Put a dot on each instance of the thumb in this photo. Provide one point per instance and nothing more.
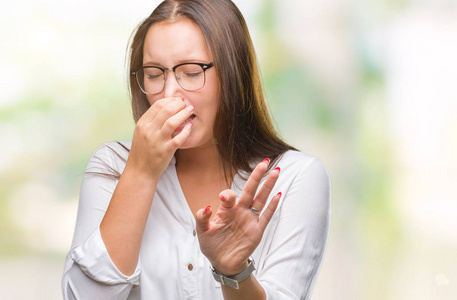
(202, 219)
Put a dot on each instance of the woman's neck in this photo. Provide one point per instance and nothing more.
(205, 163)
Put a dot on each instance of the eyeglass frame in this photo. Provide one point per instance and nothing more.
(204, 67)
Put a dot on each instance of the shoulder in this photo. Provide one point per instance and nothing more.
(110, 148)
(304, 176)
(296, 163)
(305, 184)
(109, 156)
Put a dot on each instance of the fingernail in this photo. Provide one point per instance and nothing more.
(206, 209)
(223, 196)
(280, 194)
(182, 98)
(266, 160)
(278, 168)
(189, 126)
(190, 107)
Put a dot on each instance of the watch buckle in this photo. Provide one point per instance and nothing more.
(229, 282)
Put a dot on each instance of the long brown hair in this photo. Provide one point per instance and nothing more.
(243, 128)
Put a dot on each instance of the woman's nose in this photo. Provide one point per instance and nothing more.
(172, 87)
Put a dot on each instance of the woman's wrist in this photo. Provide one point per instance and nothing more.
(233, 281)
(248, 289)
(140, 172)
(231, 269)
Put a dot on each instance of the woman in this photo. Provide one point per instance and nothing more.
(206, 202)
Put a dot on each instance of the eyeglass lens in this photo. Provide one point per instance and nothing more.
(190, 77)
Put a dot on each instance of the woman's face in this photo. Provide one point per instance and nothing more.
(168, 44)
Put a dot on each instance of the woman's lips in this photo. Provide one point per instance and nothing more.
(181, 127)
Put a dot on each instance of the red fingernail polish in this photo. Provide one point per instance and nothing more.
(223, 197)
(182, 98)
(280, 194)
(278, 168)
(206, 209)
(267, 160)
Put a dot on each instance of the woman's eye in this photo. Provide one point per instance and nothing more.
(193, 74)
(152, 77)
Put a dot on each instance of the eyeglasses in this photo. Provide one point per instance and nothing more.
(190, 76)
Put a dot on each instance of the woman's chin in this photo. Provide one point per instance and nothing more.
(188, 144)
(193, 142)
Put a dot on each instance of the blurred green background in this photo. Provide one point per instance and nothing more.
(366, 86)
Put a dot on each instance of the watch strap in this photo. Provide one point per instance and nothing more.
(234, 280)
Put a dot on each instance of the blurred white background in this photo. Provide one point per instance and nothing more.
(366, 86)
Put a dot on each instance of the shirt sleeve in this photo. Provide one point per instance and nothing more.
(300, 236)
(89, 272)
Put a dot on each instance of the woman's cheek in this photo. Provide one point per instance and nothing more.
(151, 99)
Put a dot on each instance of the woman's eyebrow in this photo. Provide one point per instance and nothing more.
(151, 63)
(154, 63)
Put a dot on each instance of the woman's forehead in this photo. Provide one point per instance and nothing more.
(172, 42)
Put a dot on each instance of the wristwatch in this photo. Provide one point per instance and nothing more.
(234, 280)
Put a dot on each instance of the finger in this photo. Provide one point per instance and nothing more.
(154, 109)
(181, 137)
(228, 198)
(202, 218)
(250, 188)
(269, 211)
(167, 111)
(264, 192)
(174, 121)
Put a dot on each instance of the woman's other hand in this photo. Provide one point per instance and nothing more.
(156, 137)
(237, 229)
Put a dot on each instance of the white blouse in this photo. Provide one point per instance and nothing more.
(171, 265)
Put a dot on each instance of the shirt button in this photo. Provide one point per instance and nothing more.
(190, 267)
(194, 233)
